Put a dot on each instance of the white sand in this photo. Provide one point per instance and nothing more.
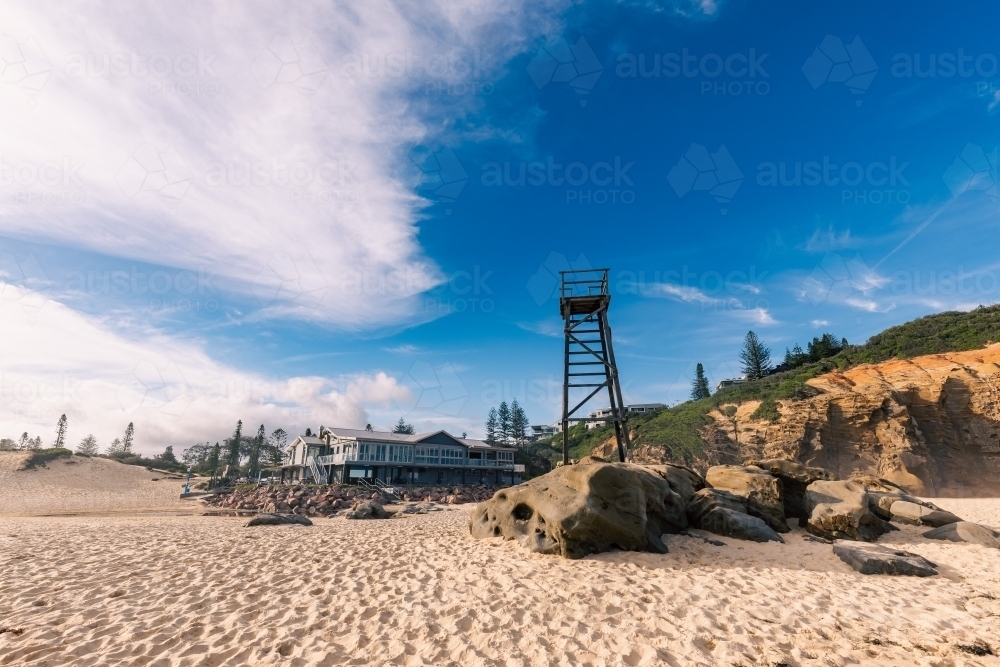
(80, 485)
(170, 590)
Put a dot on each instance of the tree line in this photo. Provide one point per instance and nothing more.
(755, 359)
(507, 425)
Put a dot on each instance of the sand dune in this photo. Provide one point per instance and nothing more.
(418, 590)
(80, 485)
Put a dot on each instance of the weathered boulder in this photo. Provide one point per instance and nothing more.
(684, 481)
(586, 508)
(877, 559)
(966, 531)
(760, 489)
(278, 520)
(794, 477)
(366, 509)
(706, 500)
(732, 523)
(839, 510)
(914, 514)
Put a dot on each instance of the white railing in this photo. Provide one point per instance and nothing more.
(340, 459)
(318, 475)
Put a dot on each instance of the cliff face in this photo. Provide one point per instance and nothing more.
(931, 424)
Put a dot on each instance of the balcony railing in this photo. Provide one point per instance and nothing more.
(340, 459)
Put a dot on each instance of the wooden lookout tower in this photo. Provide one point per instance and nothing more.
(589, 360)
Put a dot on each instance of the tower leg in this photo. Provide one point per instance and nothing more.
(565, 396)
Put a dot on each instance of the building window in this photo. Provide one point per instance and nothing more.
(427, 455)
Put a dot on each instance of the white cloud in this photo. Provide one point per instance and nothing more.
(268, 143)
(686, 293)
(759, 316)
(57, 361)
(405, 348)
(552, 327)
(816, 324)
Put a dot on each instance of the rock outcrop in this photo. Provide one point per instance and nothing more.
(760, 490)
(839, 510)
(794, 477)
(965, 531)
(930, 424)
(903, 511)
(876, 559)
(586, 508)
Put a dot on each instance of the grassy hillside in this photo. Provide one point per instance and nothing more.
(678, 430)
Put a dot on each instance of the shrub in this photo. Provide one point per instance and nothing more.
(40, 457)
(766, 411)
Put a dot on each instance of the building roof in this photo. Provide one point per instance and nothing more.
(385, 436)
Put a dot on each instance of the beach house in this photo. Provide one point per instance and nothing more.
(340, 455)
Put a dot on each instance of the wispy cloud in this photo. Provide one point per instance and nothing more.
(249, 145)
(816, 324)
(405, 348)
(829, 240)
(552, 328)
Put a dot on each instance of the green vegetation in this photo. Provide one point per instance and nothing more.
(766, 411)
(40, 457)
(945, 332)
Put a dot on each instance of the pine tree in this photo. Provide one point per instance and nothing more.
(213, 459)
(233, 446)
(22, 443)
(115, 447)
(255, 450)
(491, 427)
(402, 427)
(518, 424)
(755, 357)
(276, 447)
(504, 424)
(88, 446)
(699, 387)
(127, 440)
(168, 455)
(61, 432)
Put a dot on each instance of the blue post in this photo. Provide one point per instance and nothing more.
(187, 482)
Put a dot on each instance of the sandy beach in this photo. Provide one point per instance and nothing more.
(197, 590)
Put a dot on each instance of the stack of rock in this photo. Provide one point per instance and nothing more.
(596, 506)
(328, 500)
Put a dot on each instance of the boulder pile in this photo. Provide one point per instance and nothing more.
(595, 506)
(328, 500)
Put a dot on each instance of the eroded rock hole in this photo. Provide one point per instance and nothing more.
(522, 512)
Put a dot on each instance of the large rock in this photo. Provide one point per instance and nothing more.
(966, 531)
(915, 514)
(684, 481)
(366, 509)
(278, 520)
(839, 510)
(760, 489)
(877, 559)
(706, 500)
(794, 477)
(733, 523)
(586, 508)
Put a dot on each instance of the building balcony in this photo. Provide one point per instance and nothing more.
(341, 459)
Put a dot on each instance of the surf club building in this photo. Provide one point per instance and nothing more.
(341, 455)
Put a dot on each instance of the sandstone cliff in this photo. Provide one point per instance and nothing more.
(931, 424)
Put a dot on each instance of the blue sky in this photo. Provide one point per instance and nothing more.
(782, 167)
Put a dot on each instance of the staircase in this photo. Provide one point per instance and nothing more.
(319, 476)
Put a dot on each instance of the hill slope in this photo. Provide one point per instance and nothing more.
(76, 484)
